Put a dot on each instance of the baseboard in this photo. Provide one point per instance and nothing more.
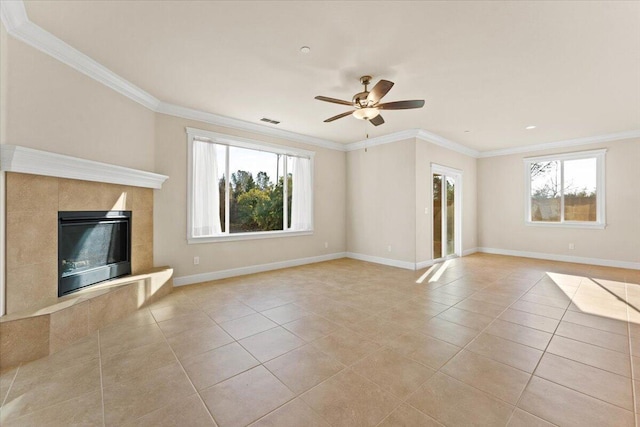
(223, 274)
(469, 251)
(563, 258)
(241, 271)
(401, 264)
(424, 264)
(384, 261)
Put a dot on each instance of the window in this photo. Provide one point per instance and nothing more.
(242, 189)
(566, 190)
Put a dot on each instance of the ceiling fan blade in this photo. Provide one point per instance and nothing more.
(377, 120)
(379, 90)
(335, 101)
(339, 116)
(401, 105)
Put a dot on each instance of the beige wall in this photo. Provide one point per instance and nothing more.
(170, 237)
(380, 201)
(388, 188)
(3, 82)
(52, 107)
(501, 208)
(426, 155)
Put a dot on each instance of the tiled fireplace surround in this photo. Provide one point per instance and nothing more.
(38, 322)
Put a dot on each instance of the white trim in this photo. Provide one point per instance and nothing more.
(18, 25)
(383, 139)
(190, 186)
(27, 160)
(248, 236)
(563, 258)
(567, 224)
(575, 155)
(384, 261)
(435, 139)
(228, 122)
(599, 155)
(252, 144)
(13, 15)
(470, 251)
(252, 269)
(424, 264)
(420, 134)
(562, 144)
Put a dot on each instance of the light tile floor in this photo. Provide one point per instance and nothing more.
(482, 340)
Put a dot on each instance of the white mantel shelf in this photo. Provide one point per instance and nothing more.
(14, 158)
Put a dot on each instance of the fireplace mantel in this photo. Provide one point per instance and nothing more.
(37, 162)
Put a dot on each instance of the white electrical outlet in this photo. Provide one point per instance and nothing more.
(389, 248)
(196, 260)
(326, 245)
(426, 211)
(572, 246)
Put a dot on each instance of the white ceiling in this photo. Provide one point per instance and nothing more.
(491, 68)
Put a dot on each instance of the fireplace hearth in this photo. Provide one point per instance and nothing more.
(93, 246)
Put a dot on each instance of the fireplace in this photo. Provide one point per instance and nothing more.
(93, 246)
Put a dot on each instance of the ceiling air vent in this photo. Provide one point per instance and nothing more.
(273, 122)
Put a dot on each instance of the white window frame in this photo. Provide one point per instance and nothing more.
(194, 134)
(599, 155)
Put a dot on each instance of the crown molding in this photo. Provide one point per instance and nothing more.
(383, 139)
(563, 144)
(15, 19)
(13, 15)
(17, 23)
(14, 158)
(444, 142)
(420, 134)
(228, 122)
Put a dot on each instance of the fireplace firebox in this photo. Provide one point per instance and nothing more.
(93, 246)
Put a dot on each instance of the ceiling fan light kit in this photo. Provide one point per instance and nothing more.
(365, 113)
(367, 104)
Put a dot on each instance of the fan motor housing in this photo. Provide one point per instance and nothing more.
(360, 99)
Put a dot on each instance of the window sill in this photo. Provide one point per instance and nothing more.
(248, 236)
(593, 226)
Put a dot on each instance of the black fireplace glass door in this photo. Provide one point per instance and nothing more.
(92, 247)
(87, 246)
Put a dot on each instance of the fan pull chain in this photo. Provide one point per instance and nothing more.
(366, 135)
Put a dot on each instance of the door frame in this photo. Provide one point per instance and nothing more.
(456, 174)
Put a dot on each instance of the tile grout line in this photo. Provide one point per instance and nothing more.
(246, 370)
(178, 361)
(545, 352)
(349, 367)
(184, 371)
(515, 406)
(4, 400)
(439, 370)
(346, 367)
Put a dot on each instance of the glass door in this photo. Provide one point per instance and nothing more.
(446, 213)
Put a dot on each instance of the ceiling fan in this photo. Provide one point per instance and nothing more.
(367, 104)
